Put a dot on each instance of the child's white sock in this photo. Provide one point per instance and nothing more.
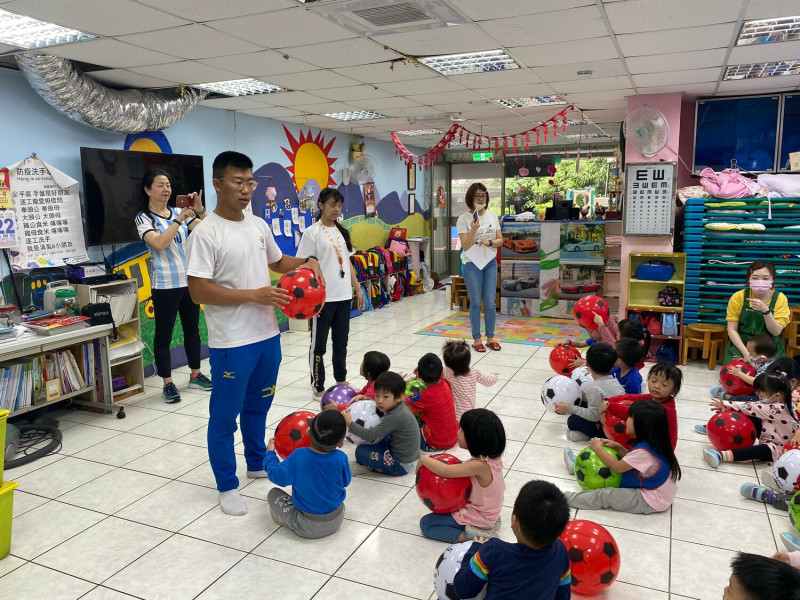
(257, 474)
(232, 503)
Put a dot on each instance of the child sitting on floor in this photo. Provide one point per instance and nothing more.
(584, 420)
(762, 349)
(755, 577)
(463, 379)
(483, 434)
(373, 364)
(773, 416)
(435, 406)
(397, 435)
(318, 476)
(663, 384)
(537, 566)
(629, 353)
(649, 469)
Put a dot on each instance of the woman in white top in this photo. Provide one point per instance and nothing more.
(329, 242)
(480, 227)
(165, 230)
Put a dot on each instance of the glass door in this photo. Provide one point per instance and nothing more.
(440, 223)
(463, 175)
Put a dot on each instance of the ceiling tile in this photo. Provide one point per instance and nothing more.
(589, 97)
(282, 29)
(763, 84)
(656, 15)
(423, 86)
(458, 107)
(620, 82)
(692, 90)
(599, 68)
(259, 64)
(755, 53)
(289, 99)
(516, 91)
(191, 41)
(384, 104)
(208, 10)
(601, 104)
(323, 107)
(342, 54)
(273, 112)
(383, 73)
(238, 103)
(420, 111)
(445, 97)
(559, 53)
(188, 72)
(441, 40)
(679, 61)
(120, 78)
(766, 9)
(548, 27)
(102, 17)
(676, 77)
(312, 80)
(677, 40)
(111, 53)
(607, 115)
(476, 81)
(355, 92)
(481, 10)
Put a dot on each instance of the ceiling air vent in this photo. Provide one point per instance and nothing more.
(392, 16)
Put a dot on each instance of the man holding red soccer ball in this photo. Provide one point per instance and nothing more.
(229, 257)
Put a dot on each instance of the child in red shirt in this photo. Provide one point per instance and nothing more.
(374, 364)
(435, 407)
(663, 383)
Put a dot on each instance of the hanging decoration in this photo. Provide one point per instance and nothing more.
(457, 133)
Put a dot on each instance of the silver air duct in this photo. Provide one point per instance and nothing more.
(67, 89)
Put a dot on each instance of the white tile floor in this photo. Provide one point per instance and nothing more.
(128, 507)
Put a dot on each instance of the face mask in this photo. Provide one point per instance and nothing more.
(761, 285)
(480, 206)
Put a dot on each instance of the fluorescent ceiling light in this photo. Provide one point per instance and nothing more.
(530, 101)
(25, 32)
(241, 87)
(419, 132)
(759, 70)
(358, 115)
(472, 62)
(766, 31)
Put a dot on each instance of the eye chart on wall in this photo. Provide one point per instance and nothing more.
(649, 198)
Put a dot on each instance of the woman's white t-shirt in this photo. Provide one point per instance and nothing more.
(315, 242)
(489, 226)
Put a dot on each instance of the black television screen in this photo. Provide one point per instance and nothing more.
(742, 128)
(111, 182)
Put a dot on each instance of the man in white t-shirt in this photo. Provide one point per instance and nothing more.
(229, 255)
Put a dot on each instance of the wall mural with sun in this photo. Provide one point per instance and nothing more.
(299, 159)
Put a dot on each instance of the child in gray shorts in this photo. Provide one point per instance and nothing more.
(318, 476)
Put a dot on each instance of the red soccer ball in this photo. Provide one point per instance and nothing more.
(586, 307)
(443, 495)
(561, 357)
(729, 430)
(593, 555)
(308, 294)
(790, 445)
(292, 433)
(615, 429)
(734, 385)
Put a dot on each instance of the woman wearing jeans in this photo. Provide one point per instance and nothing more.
(481, 227)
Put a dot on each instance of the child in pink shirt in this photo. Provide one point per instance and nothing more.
(463, 379)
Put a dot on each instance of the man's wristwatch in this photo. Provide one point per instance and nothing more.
(491, 242)
(178, 223)
(310, 256)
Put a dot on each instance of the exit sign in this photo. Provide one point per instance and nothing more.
(482, 156)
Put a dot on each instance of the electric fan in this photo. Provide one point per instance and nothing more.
(646, 130)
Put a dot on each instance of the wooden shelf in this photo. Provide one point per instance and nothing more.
(122, 361)
(657, 308)
(61, 398)
(665, 337)
(672, 282)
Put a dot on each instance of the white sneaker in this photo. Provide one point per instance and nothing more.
(576, 436)
(569, 460)
(767, 478)
(359, 469)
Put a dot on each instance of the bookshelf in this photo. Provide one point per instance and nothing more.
(612, 259)
(94, 392)
(125, 355)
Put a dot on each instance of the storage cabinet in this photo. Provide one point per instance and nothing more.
(643, 297)
(125, 353)
(612, 259)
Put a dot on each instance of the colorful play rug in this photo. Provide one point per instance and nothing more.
(536, 331)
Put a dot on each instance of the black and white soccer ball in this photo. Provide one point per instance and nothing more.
(560, 388)
(787, 471)
(445, 572)
(365, 414)
(582, 377)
